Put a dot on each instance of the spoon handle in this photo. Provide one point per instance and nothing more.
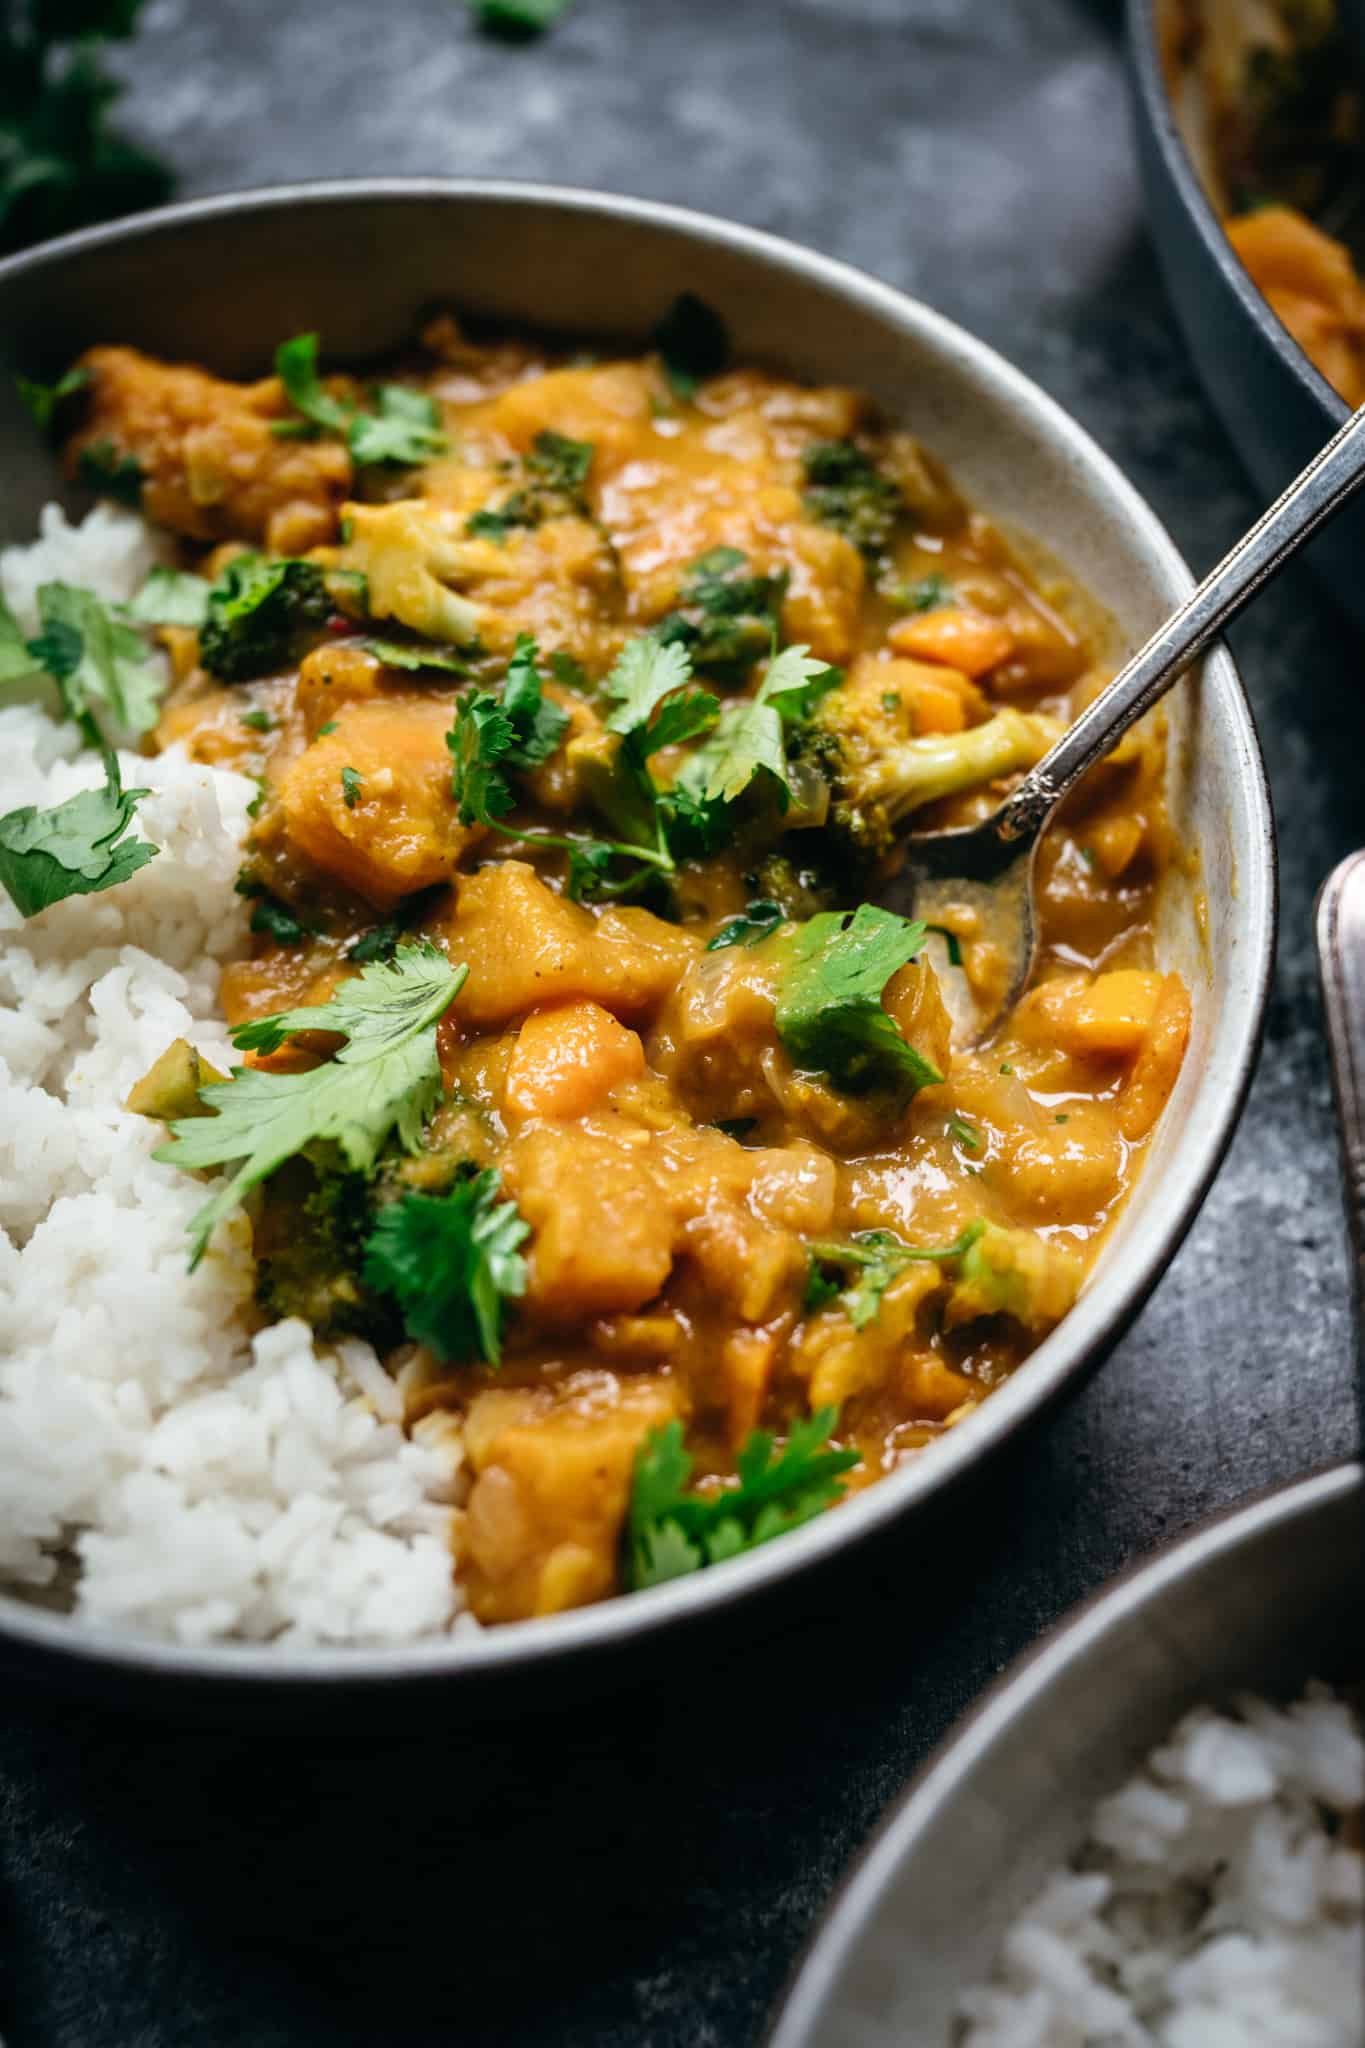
(1341, 959)
(1319, 491)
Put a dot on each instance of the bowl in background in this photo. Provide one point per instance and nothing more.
(1278, 409)
(1262, 1599)
(221, 281)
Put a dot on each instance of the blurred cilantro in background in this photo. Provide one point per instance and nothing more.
(61, 166)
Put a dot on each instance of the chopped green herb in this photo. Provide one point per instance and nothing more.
(44, 401)
(170, 598)
(927, 594)
(416, 654)
(74, 848)
(890, 701)
(694, 343)
(452, 1263)
(846, 490)
(725, 618)
(323, 730)
(405, 426)
(103, 468)
(351, 784)
(829, 1012)
(875, 1258)
(1005, 1067)
(672, 1530)
(92, 656)
(965, 1134)
(951, 941)
(386, 1077)
(755, 922)
(259, 721)
(748, 744)
(1061, 1117)
(561, 463)
(275, 920)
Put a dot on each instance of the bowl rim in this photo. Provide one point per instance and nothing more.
(50, 1643)
(1145, 56)
(1082, 1630)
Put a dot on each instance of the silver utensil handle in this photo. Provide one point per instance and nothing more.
(1312, 498)
(1341, 962)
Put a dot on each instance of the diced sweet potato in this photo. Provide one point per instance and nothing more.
(567, 1059)
(1157, 1066)
(399, 831)
(528, 948)
(969, 641)
(1110, 1016)
(552, 1479)
(602, 1236)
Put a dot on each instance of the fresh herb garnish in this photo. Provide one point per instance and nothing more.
(259, 721)
(950, 940)
(755, 922)
(875, 1258)
(74, 848)
(386, 1077)
(725, 618)
(556, 471)
(61, 166)
(748, 742)
(926, 594)
(672, 1530)
(965, 1134)
(171, 598)
(92, 656)
(452, 1264)
(694, 343)
(846, 490)
(107, 470)
(829, 1014)
(269, 917)
(416, 654)
(405, 426)
(352, 782)
(44, 401)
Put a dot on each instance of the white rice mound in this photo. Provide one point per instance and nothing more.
(1215, 1904)
(197, 1482)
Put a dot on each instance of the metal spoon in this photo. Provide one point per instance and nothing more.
(1341, 960)
(988, 868)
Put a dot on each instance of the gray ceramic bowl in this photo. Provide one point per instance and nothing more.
(1260, 1600)
(1278, 409)
(222, 280)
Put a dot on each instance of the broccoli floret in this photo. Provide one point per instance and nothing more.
(800, 891)
(846, 490)
(309, 1237)
(1014, 1273)
(877, 780)
(262, 616)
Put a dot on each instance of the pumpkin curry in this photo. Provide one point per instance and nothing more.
(586, 700)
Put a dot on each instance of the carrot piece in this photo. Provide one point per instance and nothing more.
(566, 1059)
(965, 640)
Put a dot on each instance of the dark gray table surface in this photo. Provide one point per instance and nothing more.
(641, 1867)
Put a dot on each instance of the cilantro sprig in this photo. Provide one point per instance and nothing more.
(726, 617)
(672, 1530)
(385, 1078)
(95, 658)
(76, 848)
(749, 744)
(405, 426)
(829, 1013)
(452, 1262)
(872, 1259)
(756, 922)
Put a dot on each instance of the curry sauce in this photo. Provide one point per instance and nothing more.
(699, 1204)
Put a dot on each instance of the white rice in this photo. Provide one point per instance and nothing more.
(204, 1484)
(1214, 1905)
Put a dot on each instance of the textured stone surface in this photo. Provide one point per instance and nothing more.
(641, 1868)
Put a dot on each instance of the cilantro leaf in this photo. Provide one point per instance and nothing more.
(416, 654)
(107, 470)
(672, 1530)
(755, 922)
(694, 343)
(926, 594)
(725, 619)
(561, 463)
(645, 674)
(479, 740)
(538, 723)
(556, 471)
(875, 1258)
(44, 401)
(452, 1263)
(748, 743)
(517, 20)
(405, 427)
(170, 598)
(846, 490)
(352, 782)
(386, 1077)
(71, 849)
(91, 655)
(829, 1014)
